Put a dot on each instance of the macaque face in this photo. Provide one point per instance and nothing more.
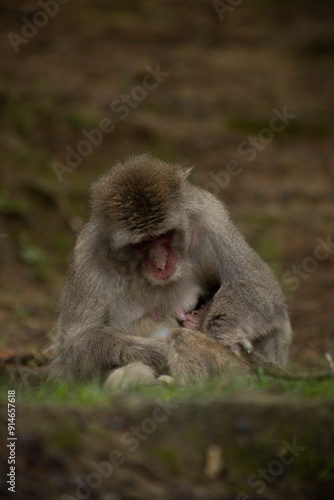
(159, 255)
(196, 318)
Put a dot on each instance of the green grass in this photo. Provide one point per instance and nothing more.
(51, 392)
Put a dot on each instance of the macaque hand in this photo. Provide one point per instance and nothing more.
(242, 345)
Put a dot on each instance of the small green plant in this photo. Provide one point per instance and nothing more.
(34, 257)
(14, 206)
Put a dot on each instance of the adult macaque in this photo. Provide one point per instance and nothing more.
(156, 244)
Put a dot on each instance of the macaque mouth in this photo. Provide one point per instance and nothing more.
(159, 255)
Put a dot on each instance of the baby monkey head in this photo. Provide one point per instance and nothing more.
(142, 200)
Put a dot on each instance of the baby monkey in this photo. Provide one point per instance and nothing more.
(195, 319)
(231, 361)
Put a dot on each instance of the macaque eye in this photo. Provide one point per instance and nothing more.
(166, 237)
(145, 243)
(142, 246)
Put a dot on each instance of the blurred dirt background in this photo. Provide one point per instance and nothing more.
(225, 77)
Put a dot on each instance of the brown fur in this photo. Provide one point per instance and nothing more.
(194, 357)
(151, 186)
(109, 288)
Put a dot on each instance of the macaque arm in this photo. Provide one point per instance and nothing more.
(90, 338)
(249, 303)
(98, 349)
